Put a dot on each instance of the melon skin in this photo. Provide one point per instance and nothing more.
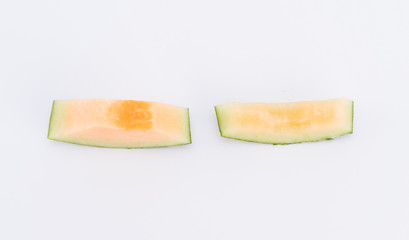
(286, 123)
(106, 123)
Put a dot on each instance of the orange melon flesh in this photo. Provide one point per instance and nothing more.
(286, 123)
(119, 123)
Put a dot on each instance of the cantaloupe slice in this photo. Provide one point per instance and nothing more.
(285, 123)
(119, 123)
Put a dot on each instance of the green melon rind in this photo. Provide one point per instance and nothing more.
(188, 125)
(352, 118)
(51, 117)
(218, 121)
(90, 145)
(278, 143)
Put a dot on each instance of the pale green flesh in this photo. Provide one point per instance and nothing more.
(222, 115)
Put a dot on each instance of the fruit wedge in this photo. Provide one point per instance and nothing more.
(119, 123)
(286, 123)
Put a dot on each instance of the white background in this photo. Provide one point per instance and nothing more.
(198, 54)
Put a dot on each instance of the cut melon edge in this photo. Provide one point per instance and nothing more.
(99, 146)
(278, 143)
(49, 122)
(118, 147)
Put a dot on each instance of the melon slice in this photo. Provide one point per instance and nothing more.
(119, 123)
(286, 123)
